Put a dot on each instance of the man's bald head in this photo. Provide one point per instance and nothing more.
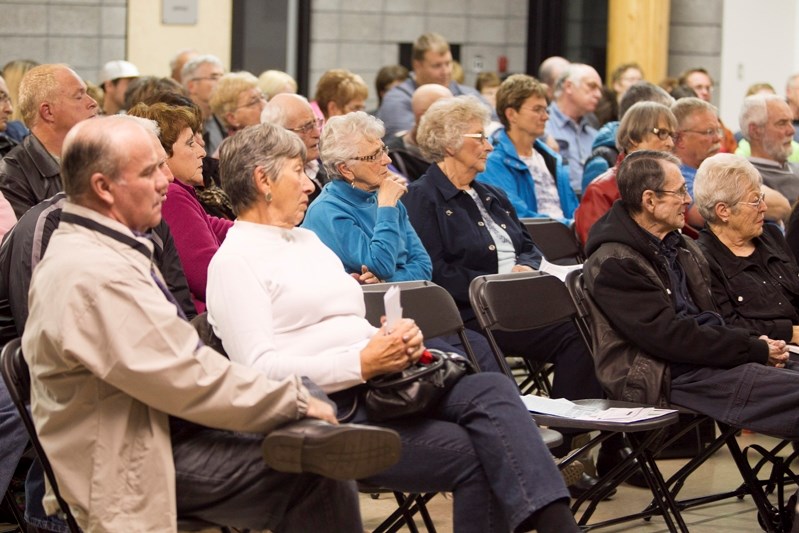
(425, 96)
(294, 113)
(99, 145)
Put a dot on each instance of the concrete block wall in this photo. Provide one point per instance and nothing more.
(695, 38)
(364, 36)
(83, 33)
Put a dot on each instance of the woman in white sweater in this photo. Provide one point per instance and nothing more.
(282, 302)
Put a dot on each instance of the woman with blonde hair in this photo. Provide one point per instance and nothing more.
(13, 72)
(339, 92)
(272, 82)
(238, 101)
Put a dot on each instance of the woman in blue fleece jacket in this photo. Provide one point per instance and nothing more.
(358, 214)
(530, 173)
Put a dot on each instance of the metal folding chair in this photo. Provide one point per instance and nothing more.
(17, 378)
(556, 241)
(430, 305)
(527, 301)
(771, 518)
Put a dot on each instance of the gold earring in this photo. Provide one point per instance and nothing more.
(268, 197)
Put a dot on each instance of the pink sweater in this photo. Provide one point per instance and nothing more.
(197, 236)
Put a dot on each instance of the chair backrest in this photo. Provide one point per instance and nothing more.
(556, 241)
(518, 302)
(17, 377)
(575, 284)
(430, 305)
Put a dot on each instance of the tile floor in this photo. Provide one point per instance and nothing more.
(716, 475)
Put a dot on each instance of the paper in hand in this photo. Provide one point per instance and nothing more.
(391, 301)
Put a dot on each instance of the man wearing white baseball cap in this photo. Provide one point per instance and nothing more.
(114, 79)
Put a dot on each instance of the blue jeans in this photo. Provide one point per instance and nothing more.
(481, 444)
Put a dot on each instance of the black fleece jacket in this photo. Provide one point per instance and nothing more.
(628, 278)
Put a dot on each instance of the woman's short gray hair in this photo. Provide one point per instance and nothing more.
(723, 178)
(444, 123)
(342, 136)
(262, 145)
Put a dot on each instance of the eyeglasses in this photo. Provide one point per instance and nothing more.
(710, 132)
(308, 126)
(212, 77)
(663, 134)
(481, 136)
(254, 101)
(4, 98)
(682, 192)
(371, 158)
(760, 199)
(539, 109)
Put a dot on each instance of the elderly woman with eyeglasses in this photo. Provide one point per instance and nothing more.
(282, 302)
(645, 126)
(470, 228)
(358, 214)
(238, 101)
(755, 279)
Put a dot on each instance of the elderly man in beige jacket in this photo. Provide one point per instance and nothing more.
(124, 394)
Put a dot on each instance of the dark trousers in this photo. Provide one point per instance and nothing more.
(481, 444)
(752, 396)
(561, 345)
(221, 478)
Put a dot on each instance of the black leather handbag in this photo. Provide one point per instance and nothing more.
(415, 390)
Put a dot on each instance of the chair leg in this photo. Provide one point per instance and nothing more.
(421, 503)
(10, 503)
(768, 515)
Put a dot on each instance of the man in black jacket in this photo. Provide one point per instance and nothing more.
(52, 99)
(661, 338)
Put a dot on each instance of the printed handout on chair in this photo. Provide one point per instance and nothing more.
(559, 271)
(566, 409)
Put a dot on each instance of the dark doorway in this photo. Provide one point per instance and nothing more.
(574, 29)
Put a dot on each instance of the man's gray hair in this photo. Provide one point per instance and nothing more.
(639, 172)
(443, 125)
(263, 145)
(723, 178)
(754, 110)
(342, 136)
(190, 68)
(574, 73)
(685, 107)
